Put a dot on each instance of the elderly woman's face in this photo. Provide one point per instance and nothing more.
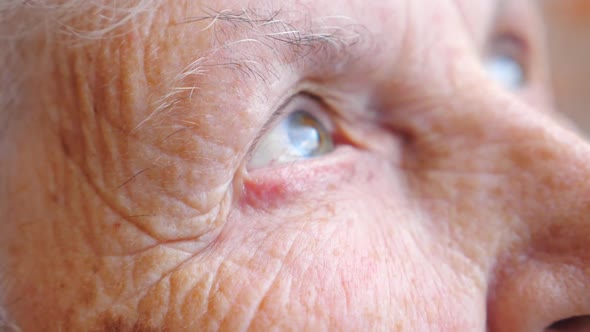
(302, 165)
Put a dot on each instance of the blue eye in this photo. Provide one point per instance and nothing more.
(306, 134)
(506, 62)
(299, 136)
(507, 71)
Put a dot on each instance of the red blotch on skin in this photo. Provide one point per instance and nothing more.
(264, 193)
(283, 185)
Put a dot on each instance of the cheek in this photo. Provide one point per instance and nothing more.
(340, 244)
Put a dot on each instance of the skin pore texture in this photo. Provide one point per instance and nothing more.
(449, 202)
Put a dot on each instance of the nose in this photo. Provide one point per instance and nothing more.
(541, 271)
(543, 275)
(522, 181)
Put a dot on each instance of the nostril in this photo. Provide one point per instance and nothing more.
(572, 324)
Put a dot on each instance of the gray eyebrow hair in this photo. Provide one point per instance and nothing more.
(292, 38)
(272, 26)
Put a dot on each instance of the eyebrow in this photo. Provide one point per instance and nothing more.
(293, 37)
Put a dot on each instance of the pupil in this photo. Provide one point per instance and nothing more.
(303, 133)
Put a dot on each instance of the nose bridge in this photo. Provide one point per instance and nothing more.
(541, 167)
(548, 163)
(548, 169)
(540, 274)
(511, 187)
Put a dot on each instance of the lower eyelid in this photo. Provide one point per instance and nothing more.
(272, 185)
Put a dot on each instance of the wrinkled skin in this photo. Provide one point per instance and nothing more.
(450, 202)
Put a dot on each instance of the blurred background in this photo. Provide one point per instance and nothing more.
(569, 45)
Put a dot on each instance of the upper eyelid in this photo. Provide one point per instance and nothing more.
(513, 21)
(512, 43)
(516, 21)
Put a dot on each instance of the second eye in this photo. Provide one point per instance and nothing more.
(506, 62)
(298, 136)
